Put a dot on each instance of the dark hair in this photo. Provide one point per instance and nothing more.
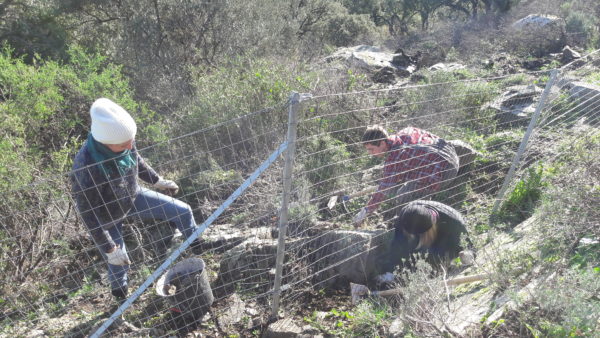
(374, 135)
(415, 218)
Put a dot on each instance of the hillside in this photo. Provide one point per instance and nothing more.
(219, 113)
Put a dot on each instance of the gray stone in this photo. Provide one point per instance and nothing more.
(370, 58)
(516, 104)
(465, 152)
(587, 98)
(547, 33)
(448, 67)
(233, 311)
(251, 261)
(396, 329)
(283, 328)
(569, 55)
(347, 256)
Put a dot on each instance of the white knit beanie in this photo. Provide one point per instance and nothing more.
(111, 124)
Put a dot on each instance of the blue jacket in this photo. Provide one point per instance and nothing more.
(103, 202)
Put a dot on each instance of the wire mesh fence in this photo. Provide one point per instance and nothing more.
(55, 279)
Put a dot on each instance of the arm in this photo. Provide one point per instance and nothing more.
(145, 172)
(88, 199)
(393, 172)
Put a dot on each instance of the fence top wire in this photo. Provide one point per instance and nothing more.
(383, 90)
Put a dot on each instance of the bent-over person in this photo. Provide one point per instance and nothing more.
(417, 163)
(106, 191)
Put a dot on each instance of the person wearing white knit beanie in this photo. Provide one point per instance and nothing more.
(111, 124)
(106, 191)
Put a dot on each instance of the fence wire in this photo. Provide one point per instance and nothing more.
(55, 280)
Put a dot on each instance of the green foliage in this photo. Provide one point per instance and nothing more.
(369, 318)
(581, 25)
(340, 28)
(34, 29)
(238, 88)
(44, 107)
(328, 167)
(527, 192)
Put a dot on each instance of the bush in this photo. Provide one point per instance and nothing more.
(521, 202)
(44, 108)
(327, 164)
(344, 29)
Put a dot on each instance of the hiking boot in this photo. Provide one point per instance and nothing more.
(120, 294)
(196, 246)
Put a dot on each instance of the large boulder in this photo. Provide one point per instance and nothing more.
(540, 34)
(516, 104)
(342, 256)
(329, 258)
(585, 98)
(375, 60)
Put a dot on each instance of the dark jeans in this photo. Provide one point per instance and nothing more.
(149, 205)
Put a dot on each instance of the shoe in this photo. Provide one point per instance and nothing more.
(120, 294)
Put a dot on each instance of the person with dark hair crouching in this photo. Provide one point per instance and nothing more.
(430, 228)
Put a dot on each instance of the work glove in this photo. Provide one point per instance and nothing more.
(467, 257)
(118, 257)
(168, 185)
(360, 217)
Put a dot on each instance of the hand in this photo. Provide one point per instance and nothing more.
(169, 185)
(360, 217)
(467, 257)
(117, 257)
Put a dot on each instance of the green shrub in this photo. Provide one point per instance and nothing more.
(44, 111)
(521, 202)
(237, 88)
(326, 164)
(583, 29)
(344, 29)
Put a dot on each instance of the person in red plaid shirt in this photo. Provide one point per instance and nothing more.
(417, 163)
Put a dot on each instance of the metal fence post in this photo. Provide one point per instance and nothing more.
(285, 198)
(523, 145)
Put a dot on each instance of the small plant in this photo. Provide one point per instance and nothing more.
(521, 201)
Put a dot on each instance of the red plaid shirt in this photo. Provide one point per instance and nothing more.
(405, 163)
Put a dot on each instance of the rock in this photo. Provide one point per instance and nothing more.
(534, 64)
(374, 59)
(366, 57)
(448, 67)
(403, 60)
(586, 95)
(222, 237)
(36, 334)
(516, 104)
(385, 75)
(251, 261)
(585, 102)
(396, 329)
(542, 34)
(283, 328)
(233, 311)
(466, 154)
(569, 55)
(347, 256)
